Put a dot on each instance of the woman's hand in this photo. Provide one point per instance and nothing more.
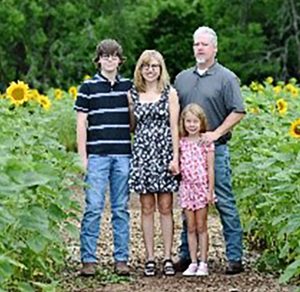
(174, 167)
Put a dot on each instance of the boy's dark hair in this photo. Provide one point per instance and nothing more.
(108, 47)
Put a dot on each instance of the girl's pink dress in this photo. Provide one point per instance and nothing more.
(194, 175)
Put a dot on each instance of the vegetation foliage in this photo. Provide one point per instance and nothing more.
(51, 43)
(266, 159)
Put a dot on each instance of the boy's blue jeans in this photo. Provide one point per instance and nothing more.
(226, 205)
(101, 171)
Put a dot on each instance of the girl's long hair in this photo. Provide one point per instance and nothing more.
(197, 111)
(145, 58)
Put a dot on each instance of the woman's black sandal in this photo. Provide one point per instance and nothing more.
(168, 268)
(150, 269)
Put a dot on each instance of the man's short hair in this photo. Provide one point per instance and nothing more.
(207, 30)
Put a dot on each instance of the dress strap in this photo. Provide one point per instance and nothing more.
(134, 94)
(165, 93)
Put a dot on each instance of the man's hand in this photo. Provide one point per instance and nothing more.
(210, 136)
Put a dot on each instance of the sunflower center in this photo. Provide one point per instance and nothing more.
(18, 94)
(280, 106)
(297, 130)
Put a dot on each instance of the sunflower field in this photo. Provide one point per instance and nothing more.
(266, 170)
(38, 174)
(40, 170)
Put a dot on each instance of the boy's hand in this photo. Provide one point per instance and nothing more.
(84, 161)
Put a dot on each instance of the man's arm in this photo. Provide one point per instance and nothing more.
(231, 120)
(82, 137)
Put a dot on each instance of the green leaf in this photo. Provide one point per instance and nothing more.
(25, 287)
(31, 178)
(292, 270)
(37, 243)
(72, 229)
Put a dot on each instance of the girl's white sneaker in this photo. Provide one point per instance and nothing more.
(191, 270)
(202, 269)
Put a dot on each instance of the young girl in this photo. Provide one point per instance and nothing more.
(196, 189)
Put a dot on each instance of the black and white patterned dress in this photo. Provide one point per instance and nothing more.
(152, 147)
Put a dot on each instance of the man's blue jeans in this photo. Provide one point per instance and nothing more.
(226, 205)
(112, 169)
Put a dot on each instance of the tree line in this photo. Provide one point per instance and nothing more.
(50, 43)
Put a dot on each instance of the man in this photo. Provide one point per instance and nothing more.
(103, 138)
(216, 89)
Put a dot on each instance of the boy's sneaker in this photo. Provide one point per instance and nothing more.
(202, 269)
(122, 269)
(191, 270)
(88, 269)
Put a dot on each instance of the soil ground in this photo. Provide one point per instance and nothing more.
(106, 281)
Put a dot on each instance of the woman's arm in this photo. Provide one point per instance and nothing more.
(174, 117)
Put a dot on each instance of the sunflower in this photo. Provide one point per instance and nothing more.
(58, 93)
(269, 80)
(33, 94)
(254, 86)
(277, 89)
(254, 110)
(281, 106)
(86, 77)
(45, 102)
(295, 129)
(295, 92)
(73, 91)
(18, 92)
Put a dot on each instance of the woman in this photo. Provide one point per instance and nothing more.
(155, 108)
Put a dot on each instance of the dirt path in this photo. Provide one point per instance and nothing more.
(250, 280)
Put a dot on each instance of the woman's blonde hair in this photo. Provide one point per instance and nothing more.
(145, 58)
(197, 111)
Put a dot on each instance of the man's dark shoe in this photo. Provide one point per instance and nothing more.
(122, 269)
(182, 264)
(234, 268)
(88, 269)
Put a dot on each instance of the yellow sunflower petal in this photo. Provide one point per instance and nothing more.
(281, 106)
(18, 93)
(45, 102)
(295, 129)
(73, 91)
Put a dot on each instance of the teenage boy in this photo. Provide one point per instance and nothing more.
(103, 139)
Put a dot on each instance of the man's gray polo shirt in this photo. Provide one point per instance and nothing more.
(217, 91)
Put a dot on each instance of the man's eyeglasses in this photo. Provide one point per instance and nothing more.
(113, 57)
(152, 66)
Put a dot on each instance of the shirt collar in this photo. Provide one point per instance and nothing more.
(101, 77)
(210, 70)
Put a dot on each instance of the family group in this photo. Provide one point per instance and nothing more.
(155, 140)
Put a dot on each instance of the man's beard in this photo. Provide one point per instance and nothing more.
(200, 60)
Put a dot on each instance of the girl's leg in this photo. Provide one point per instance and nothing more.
(147, 218)
(201, 222)
(165, 207)
(192, 234)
